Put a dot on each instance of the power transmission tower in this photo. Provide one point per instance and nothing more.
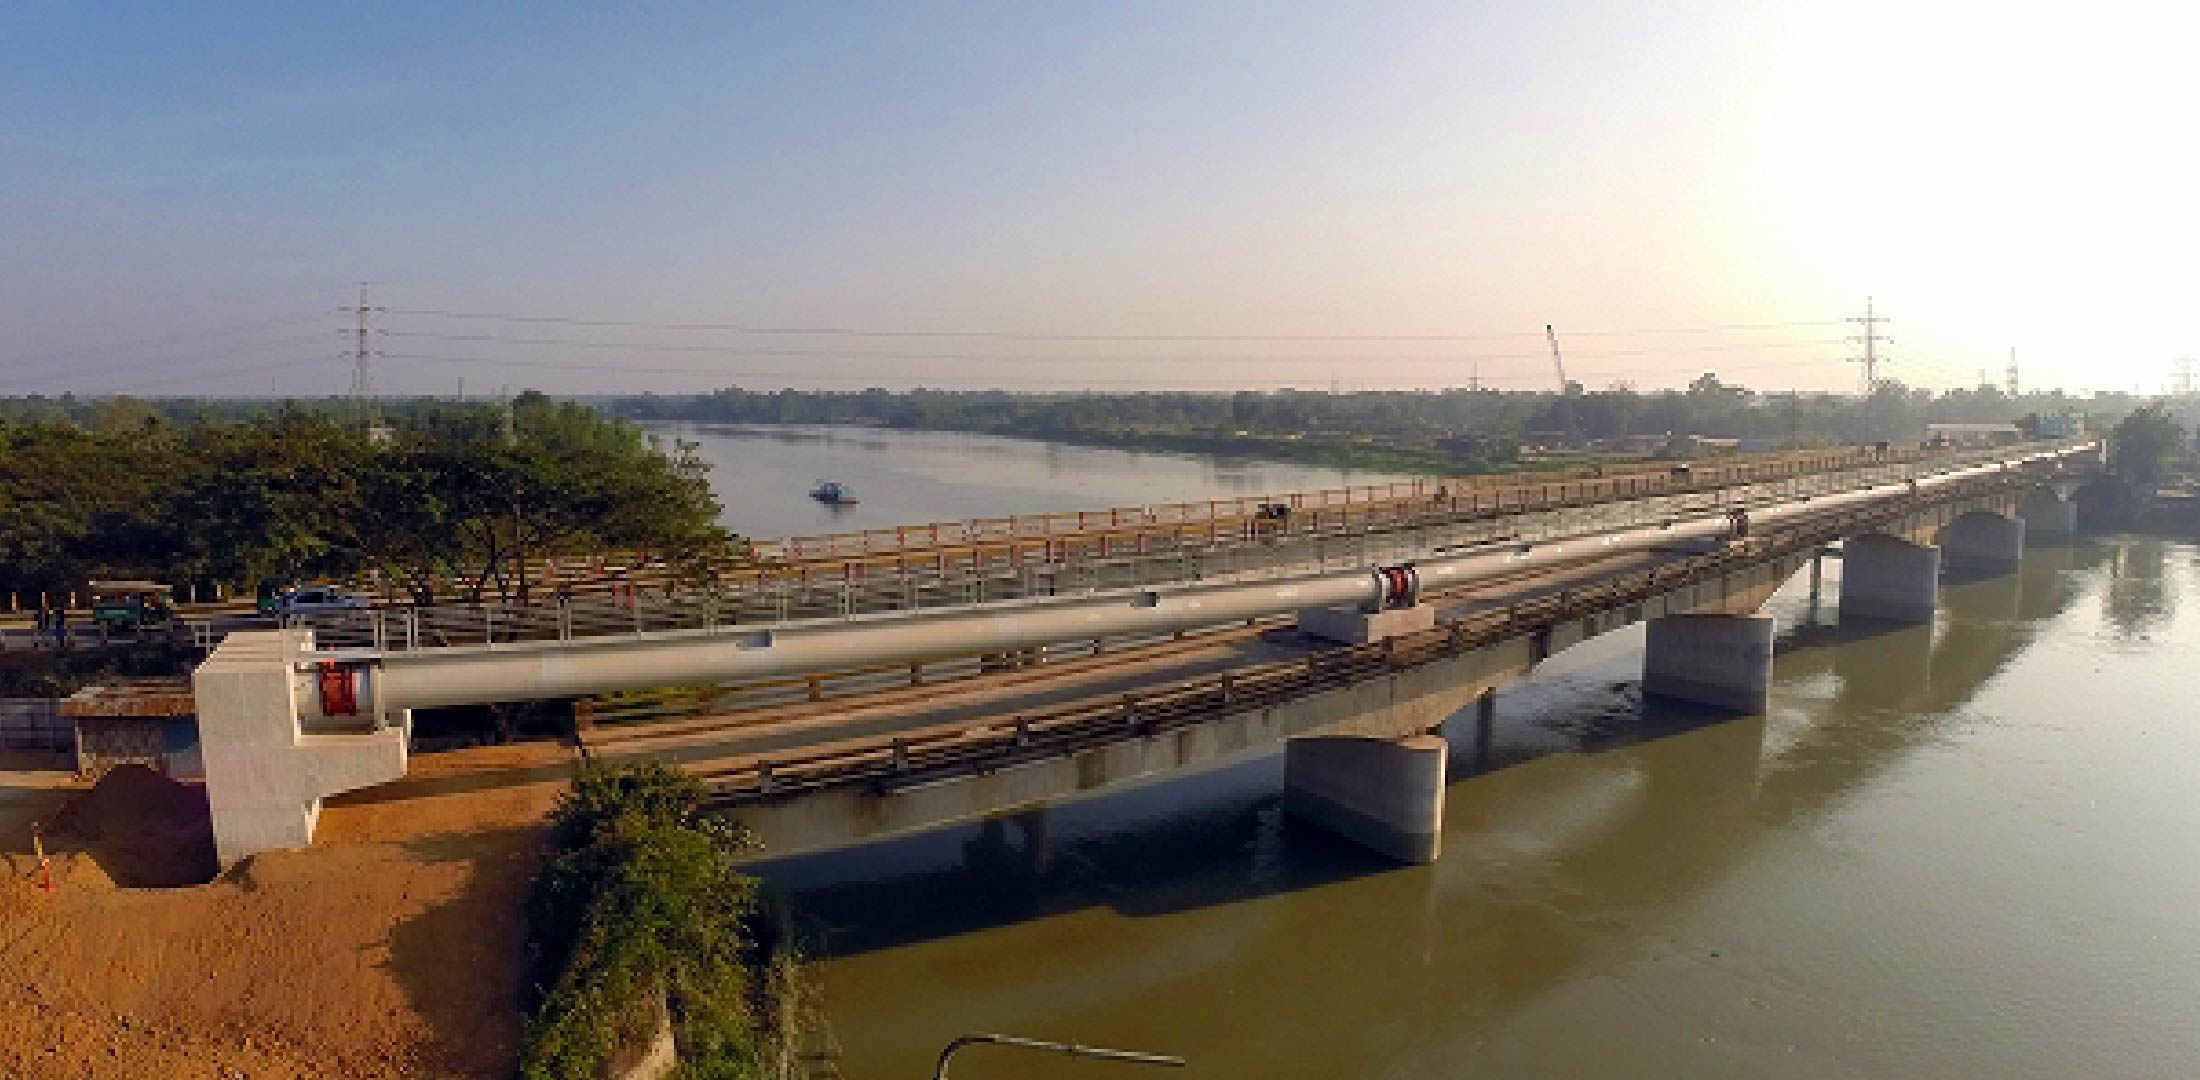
(1871, 339)
(363, 352)
(2013, 372)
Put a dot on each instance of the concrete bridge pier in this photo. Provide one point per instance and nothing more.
(1888, 578)
(1722, 661)
(1386, 794)
(1984, 541)
(2049, 518)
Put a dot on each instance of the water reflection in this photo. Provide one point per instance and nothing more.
(2140, 598)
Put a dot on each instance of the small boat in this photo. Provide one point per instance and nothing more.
(834, 493)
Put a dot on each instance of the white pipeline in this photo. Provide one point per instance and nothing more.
(527, 670)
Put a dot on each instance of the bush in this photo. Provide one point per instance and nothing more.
(640, 904)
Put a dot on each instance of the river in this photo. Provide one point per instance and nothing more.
(1968, 849)
(763, 475)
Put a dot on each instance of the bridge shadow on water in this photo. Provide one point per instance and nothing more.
(1219, 837)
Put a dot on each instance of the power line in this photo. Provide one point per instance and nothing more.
(743, 351)
(815, 375)
(167, 339)
(1031, 336)
(221, 373)
(162, 362)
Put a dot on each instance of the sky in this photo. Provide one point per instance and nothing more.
(616, 198)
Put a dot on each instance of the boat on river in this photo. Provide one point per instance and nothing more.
(834, 493)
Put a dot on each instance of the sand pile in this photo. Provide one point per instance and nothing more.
(144, 829)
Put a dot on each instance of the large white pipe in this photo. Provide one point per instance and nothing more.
(525, 671)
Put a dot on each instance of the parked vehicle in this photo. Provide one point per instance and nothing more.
(319, 600)
(271, 591)
(132, 605)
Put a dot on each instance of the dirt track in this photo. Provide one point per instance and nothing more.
(391, 948)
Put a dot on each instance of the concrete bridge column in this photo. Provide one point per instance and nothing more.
(1387, 794)
(2051, 519)
(1723, 661)
(266, 774)
(1984, 541)
(1883, 577)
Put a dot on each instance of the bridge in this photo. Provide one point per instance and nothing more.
(1347, 641)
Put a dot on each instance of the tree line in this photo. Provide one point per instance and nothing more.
(1468, 425)
(429, 494)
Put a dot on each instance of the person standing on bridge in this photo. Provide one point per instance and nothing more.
(41, 621)
(61, 628)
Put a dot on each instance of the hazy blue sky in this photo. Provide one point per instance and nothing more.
(192, 189)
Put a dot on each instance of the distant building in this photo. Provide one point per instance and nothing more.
(1972, 434)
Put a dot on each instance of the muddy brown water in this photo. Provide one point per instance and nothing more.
(1970, 849)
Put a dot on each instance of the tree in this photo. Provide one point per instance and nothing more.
(2143, 445)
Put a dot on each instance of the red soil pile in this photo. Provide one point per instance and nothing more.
(393, 948)
(144, 829)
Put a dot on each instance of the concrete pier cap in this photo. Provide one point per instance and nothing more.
(271, 756)
(1722, 661)
(1386, 794)
(1888, 578)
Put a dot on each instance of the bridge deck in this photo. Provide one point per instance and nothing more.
(751, 724)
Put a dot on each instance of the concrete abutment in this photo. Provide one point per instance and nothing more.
(1386, 794)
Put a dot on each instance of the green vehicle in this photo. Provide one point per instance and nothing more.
(132, 605)
(270, 594)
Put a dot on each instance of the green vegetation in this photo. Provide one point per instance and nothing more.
(1413, 431)
(441, 492)
(642, 909)
(2144, 446)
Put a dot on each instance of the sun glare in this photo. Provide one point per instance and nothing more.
(2023, 176)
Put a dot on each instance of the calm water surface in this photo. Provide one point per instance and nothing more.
(1968, 850)
(763, 475)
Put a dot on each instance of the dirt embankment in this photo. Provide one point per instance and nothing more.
(392, 948)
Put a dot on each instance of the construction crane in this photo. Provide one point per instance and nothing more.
(1557, 361)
